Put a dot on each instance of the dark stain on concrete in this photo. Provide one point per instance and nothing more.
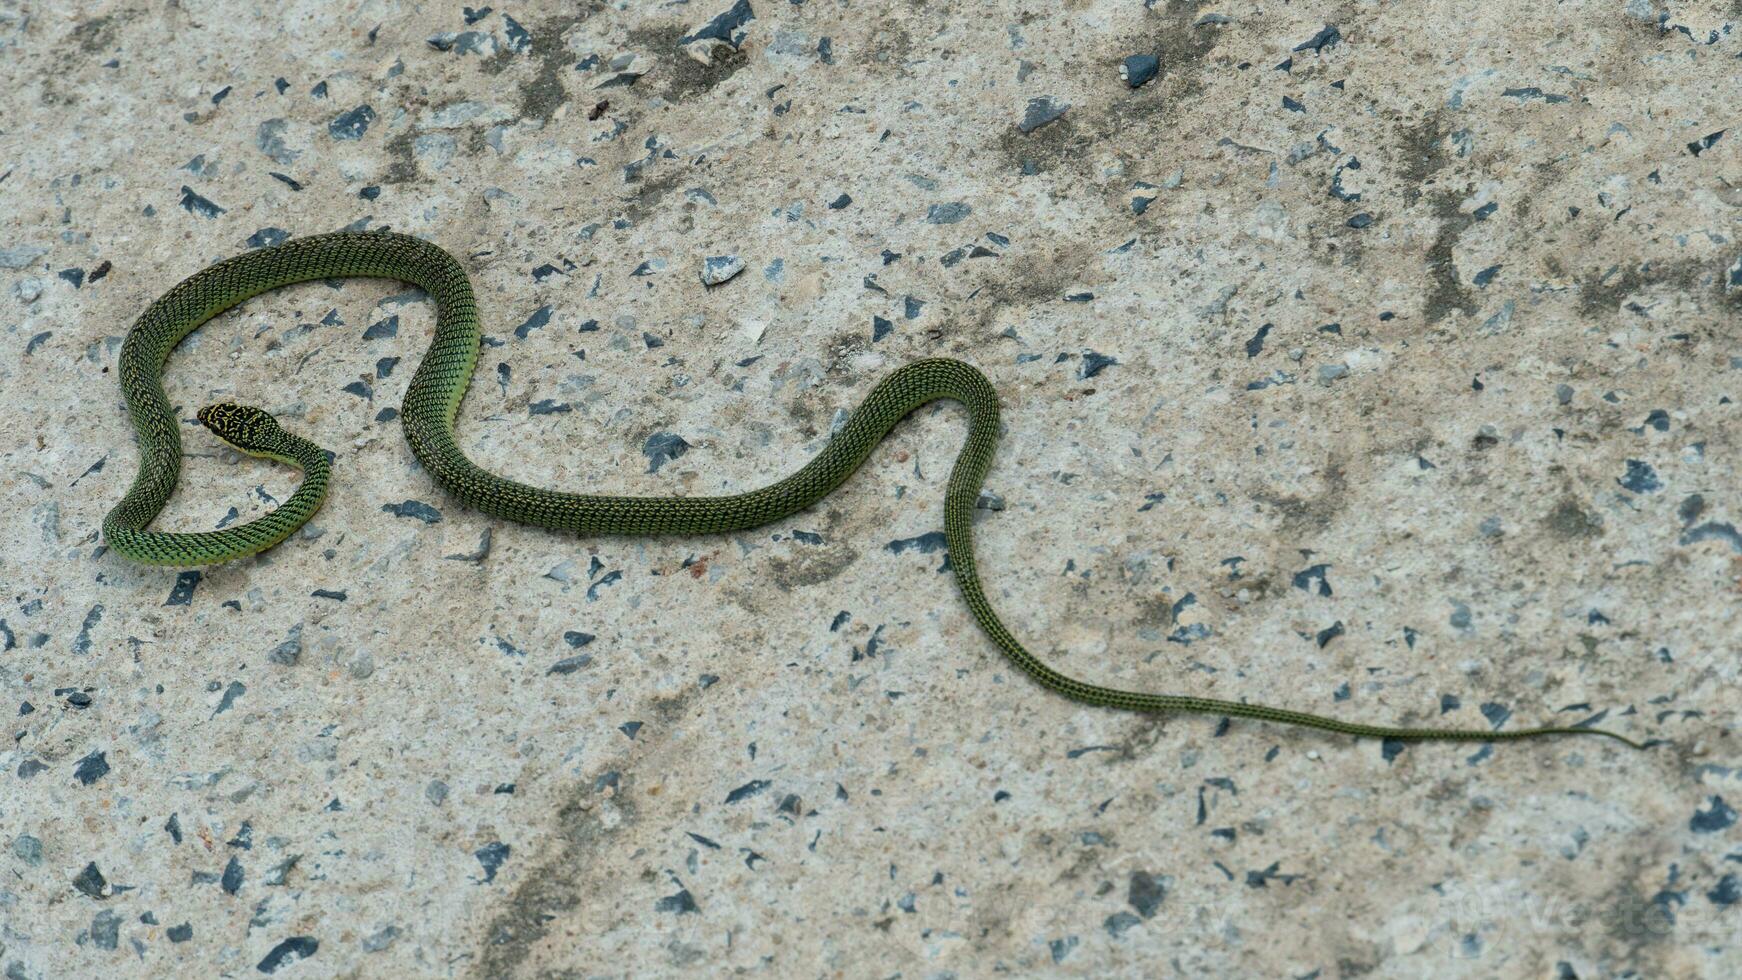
(402, 167)
(1422, 153)
(544, 92)
(1605, 291)
(561, 882)
(1311, 514)
(648, 194)
(1048, 148)
(95, 34)
(477, 140)
(1570, 520)
(811, 565)
(1446, 292)
(679, 76)
(1140, 118)
(558, 885)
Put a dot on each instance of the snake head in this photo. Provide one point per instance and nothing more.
(245, 428)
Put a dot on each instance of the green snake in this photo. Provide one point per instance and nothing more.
(432, 401)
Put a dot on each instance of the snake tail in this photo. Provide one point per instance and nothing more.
(432, 402)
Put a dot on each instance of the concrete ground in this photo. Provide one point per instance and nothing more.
(1374, 360)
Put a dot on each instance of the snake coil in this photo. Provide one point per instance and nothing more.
(433, 398)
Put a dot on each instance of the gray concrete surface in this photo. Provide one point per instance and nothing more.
(1377, 360)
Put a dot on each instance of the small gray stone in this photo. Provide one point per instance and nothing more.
(269, 137)
(106, 929)
(717, 269)
(381, 939)
(287, 653)
(351, 125)
(91, 882)
(1331, 372)
(661, 448)
(362, 665)
(947, 214)
(435, 151)
(624, 70)
(460, 114)
(1139, 69)
(267, 237)
(1146, 892)
(27, 849)
(436, 792)
(727, 28)
(477, 554)
(415, 509)
(465, 42)
(19, 256)
(276, 874)
(1041, 111)
(621, 79)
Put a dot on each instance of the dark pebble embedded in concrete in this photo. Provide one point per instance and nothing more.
(947, 214)
(183, 592)
(1094, 363)
(105, 929)
(90, 881)
(1328, 36)
(91, 768)
(386, 327)
(663, 447)
(1706, 142)
(195, 204)
(717, 269)
(569, 665)
(682, 903)
(1040, 112)
(353, 124)
(1145, 892)
(749, 789)
(1715, 816)
(490, 857)
(1139, 69)
(728, 27)
(536, 321)
(287, 952)
(925, 544)
(1640, 477)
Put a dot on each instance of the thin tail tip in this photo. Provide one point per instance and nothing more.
(1630, 743)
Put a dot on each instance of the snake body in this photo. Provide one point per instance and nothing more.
(432, 401)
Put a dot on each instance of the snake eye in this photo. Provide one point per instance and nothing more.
(245, 427)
